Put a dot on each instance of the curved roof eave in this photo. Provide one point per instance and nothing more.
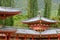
(51, 31)
(8, 9)
(39, 18)
(27, 31)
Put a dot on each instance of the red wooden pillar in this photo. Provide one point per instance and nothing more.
(5, 38)
(4, 35)
(25, 37)
(40, 36)
(8, 36)
(58, 36)
(32, 37)
(48, 37)
(17, 37)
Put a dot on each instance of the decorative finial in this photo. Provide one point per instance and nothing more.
(39, 13)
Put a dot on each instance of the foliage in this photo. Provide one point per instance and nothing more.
(32, 8)
(58, 11)
(47, 9)
(57, 18)
(7, 3)
(9, 21)
(18, 21)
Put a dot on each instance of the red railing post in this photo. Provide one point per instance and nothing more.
(25, 37)
(58, 36)
(32, 37)
(48, 37)
(17, 38)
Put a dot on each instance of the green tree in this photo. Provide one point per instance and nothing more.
(58, 11)
(7, 3)
(32, 8)
(47, 9)
(57, 18)
(18, 21)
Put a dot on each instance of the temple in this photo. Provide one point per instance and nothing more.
(39, 28)
(39, 23)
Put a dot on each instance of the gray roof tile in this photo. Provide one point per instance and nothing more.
(39, 18)
(51, 31)
(8, 9)
(27, 31)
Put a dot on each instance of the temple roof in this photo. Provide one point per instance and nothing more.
(39, 18)
(18, 30)
(7, 29)
(8, 12)
(51, 31)
(27, 31)
(8, 9)
(46, 32)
